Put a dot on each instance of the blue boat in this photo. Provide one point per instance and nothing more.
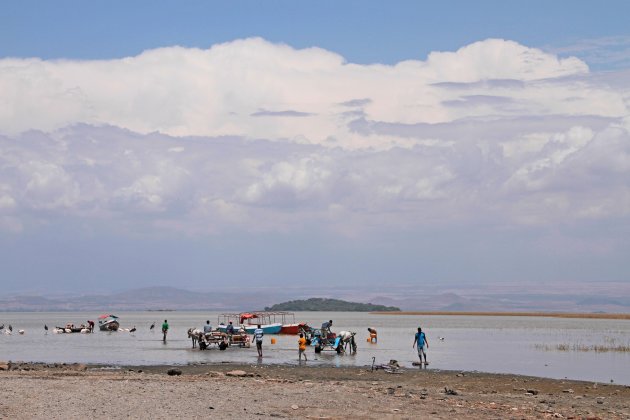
(267, 328)
(108, 322)
(249, 321)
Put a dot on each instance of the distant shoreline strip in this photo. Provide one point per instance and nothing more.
(531, 314)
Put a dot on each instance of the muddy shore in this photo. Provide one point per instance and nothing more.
(32, 390)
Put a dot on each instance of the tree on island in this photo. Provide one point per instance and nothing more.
(335, 305)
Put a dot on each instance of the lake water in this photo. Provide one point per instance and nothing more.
(488, 344)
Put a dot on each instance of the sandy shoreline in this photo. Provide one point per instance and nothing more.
(31, 390)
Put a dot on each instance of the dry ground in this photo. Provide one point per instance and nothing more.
(204, 391)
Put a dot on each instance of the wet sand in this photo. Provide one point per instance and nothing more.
(78, 391)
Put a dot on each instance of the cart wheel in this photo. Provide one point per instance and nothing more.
(222, 345)
(318, 349)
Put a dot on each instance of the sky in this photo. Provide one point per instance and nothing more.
(208, 145)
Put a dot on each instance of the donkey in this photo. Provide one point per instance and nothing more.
(195, 335)
(347, 339)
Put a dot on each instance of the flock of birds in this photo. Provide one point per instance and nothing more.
(57, 330)
(9, 330)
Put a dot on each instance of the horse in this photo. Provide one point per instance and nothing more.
(195, 334)
(347, 339)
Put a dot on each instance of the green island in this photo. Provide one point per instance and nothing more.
(334, 305)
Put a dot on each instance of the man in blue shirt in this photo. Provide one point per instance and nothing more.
(258, 336)
(207, 328)
(421, 340)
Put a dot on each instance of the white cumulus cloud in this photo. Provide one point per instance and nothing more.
(256, 89)
(263, 137)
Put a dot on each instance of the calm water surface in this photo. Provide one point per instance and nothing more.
(489, 344)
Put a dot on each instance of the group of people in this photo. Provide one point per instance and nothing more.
(229, 330)
(420, 341)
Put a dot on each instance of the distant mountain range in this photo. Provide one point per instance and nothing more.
(250, 299)
(149, 298)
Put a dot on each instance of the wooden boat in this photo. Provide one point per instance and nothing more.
(249, 321)
(287, 319)
(267, 328)
(295, 328)
(108, 323)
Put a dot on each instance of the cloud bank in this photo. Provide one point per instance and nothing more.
(256, 136)
(216, 92)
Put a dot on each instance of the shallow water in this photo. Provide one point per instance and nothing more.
(489, 344)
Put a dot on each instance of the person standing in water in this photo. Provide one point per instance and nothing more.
(302, 348)
(258, 335)
(164, 330)
(421, 340)
(373, 335)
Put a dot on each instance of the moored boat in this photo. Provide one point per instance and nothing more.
(249, 329)
(295, 328)
(108, 322)
(287, 319)
(249, 321)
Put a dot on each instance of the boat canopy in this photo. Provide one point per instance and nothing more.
(265, 317)
(247, 315)
(107, 316)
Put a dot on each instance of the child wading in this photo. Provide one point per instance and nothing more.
(421, 340)
(302, 348)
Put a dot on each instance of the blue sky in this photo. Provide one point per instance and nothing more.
(371, 144)
(361, 31)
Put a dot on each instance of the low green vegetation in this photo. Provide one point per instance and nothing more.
(582, 347)
(332, 305)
